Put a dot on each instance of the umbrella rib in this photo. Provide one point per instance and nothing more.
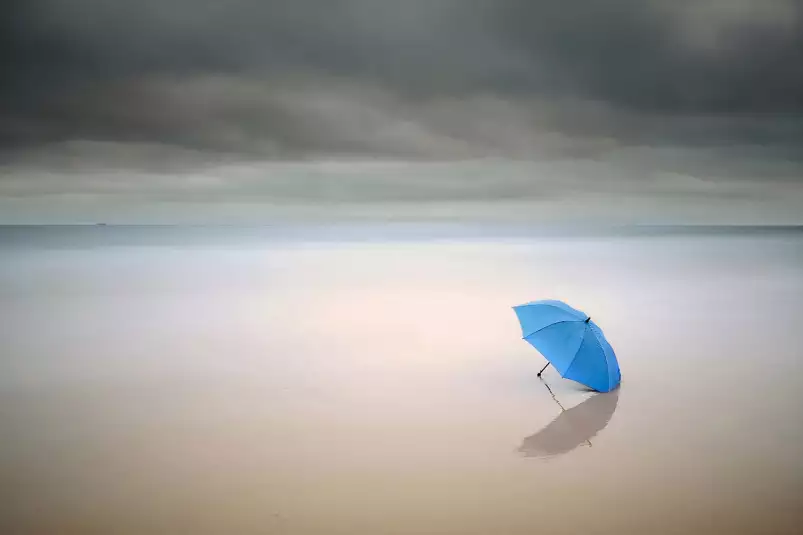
(605, 354)
(547, 327)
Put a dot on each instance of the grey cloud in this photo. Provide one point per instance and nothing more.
(301, 117)
(645, 54)
(650, 172)
(443, 78)
(486, 189)
(615, 107)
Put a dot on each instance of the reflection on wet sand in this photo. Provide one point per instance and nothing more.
(158, 382)
(573, 427)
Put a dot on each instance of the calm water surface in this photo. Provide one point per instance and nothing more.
(190, 381)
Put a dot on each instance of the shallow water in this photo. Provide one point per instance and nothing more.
(277, 383)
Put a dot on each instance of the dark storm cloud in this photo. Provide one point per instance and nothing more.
(436, 78)
(674, 57)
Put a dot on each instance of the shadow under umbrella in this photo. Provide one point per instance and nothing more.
(572, 427)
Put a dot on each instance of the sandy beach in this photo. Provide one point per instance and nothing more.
(381, 386)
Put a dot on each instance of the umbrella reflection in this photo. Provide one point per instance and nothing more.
(573, 427)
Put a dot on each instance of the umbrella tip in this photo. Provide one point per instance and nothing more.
(588, 319)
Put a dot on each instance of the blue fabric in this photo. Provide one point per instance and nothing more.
(571, 342)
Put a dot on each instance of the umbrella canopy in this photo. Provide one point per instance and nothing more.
(573, 427)
(571, 342)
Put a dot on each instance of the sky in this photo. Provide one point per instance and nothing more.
(247, 110)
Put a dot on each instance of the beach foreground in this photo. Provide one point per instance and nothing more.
(293, 385)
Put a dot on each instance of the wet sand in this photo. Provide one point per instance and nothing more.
(294, 386)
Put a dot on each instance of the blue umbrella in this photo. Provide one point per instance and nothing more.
(571, 342)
